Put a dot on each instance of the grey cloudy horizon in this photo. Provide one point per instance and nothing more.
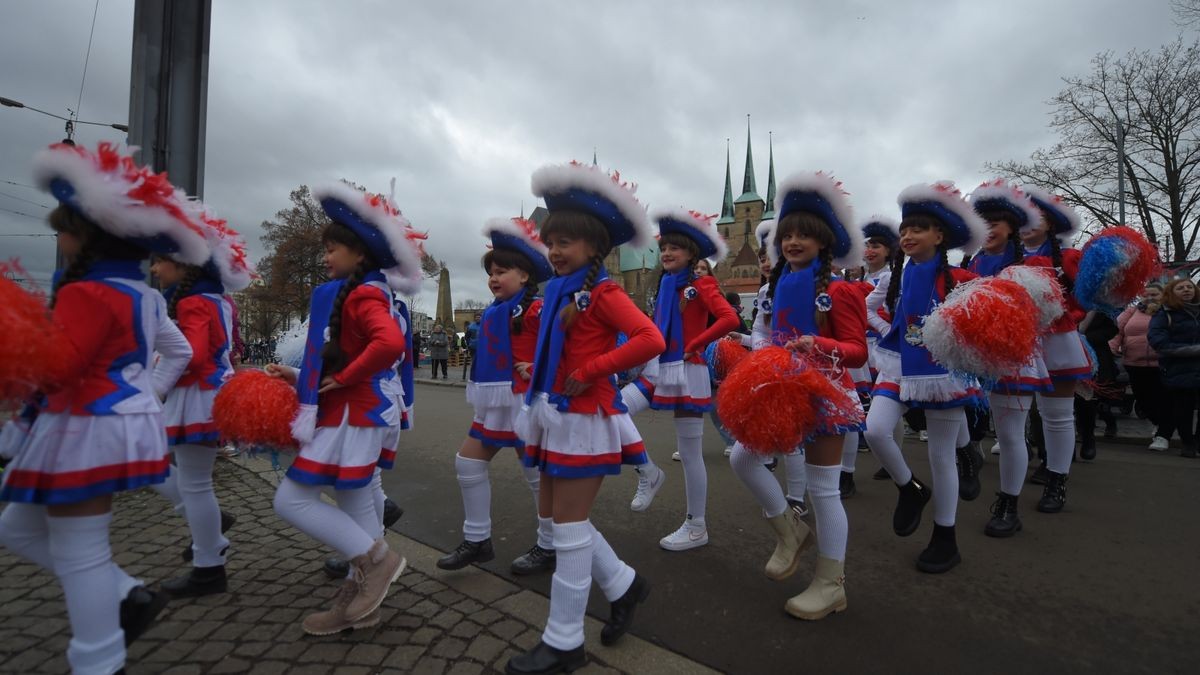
(461, 101)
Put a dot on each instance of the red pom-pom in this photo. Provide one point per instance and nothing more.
(254, 408)
(987, 327)
(31, 343)
(774, 400)
(730, 352)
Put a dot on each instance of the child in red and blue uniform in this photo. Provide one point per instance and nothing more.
(500, 375)
(345, 414)
(935, 219)
(678, 379)
(197, 302)
(577, 428)
(100, 431)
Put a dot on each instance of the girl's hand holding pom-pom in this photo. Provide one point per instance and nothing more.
(282, 372)
(802, 345)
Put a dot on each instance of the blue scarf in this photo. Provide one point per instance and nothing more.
(918, 297)
(406, 367)
(667, 315)
(201, 285)
(559, 293)
(989, 264)
(309, 382)
(792, 307)
(495, 365)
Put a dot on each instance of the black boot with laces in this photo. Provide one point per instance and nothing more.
(1054, 497)
(1004, 522)
(467, 552)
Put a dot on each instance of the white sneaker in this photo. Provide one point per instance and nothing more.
(996, 448)
(728, 450)
(1159, 444)
(686, 537)
(675, 456)
(923, 436)
(649, 483)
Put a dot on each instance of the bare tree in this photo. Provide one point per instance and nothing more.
(1155, 96)
(431, 267)
(1187, 12)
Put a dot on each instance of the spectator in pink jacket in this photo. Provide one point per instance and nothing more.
(1141, 363)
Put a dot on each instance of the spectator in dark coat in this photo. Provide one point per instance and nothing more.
(1175, 336)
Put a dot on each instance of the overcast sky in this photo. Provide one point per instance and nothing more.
(461, 101)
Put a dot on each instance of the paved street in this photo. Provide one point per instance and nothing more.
(1108, 585)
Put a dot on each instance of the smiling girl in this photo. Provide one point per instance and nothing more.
(500, 376)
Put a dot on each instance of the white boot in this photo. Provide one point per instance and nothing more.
(792, 537)
(824, 596)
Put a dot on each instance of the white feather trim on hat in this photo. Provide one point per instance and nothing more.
(889, 223)
(830, 190)
(379, 212)
(1059, 205)
(228, 251)
(764, 233)
(999, 190)
(512, 228)
(703, 225)
(123, 199)
(950, 198)
(558, 178)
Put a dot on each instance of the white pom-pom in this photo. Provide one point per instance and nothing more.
(289, 348)
(1043, 289)
(986, 328)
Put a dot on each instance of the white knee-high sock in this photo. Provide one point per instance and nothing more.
(195, 464)
(83, 564)
(832, 526)
(359, 504)
(796, 473)
(882, 419)
(634, 399)
(1058, 426)
(301, 507)
(1008, 415)
(169, 490)
(533, 478)
(476, 486)
(898, 433)
(570, 585)
(944, 426)
(689, 434)
(849, 452)
(545, 533)
(749, 468)
(964, 433)
(611, 573)
(377, 496)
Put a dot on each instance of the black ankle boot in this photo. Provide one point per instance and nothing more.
(968, 462)
(138, 611)
(391, 513)
(337, 568)
(1054, 497)
(467, 552)
(621, 613)
(913, 497)
(544, 659)
(1004, 522)
(846, 485)
(1040, 475)
(535, 561)
(942, 553)
(199, 582)
(881, 474)
(227, 522)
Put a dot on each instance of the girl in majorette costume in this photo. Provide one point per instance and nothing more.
(679, 381)
(1062, 349)
(795, 473)
(500, 375)
(882, 241)
(811, 311)
(345, 416)
(101, 432)
(196, 301)
(576, 427)
(935, 219)
(1007, 209)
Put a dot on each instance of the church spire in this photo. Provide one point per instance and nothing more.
(749, 188)
(727, 203)
(770, 212)
(594, 163)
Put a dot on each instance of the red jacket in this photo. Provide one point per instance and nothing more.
(844, 335)
(1070, 319)
(206, 320)
(372, 342)
(524, 345)
(709, 300)
(589, 354)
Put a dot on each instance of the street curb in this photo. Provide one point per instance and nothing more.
(634, 655)
(442, 383)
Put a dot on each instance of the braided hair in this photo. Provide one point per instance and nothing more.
(191, 274)
(1013, 241)
(812, 226)
(332, 355)
(1068, 286)
(893, 291)
(507, 259)
(944, 266)
(589, 228)
(823, 278)
(96, 245)
(922, 222)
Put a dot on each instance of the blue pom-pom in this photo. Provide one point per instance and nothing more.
(1102, 267)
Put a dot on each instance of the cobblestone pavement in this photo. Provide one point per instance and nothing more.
(433, 622)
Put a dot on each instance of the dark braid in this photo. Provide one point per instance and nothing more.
(824, 277)
(893, 291)
(191, 274)
(944, 265)
(332, 356)
(531, 289)
(73, 272)
(776, 272)
(1014, 239)
(570, 311)
(1068, 286)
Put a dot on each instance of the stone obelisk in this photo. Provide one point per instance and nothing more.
(445, 306)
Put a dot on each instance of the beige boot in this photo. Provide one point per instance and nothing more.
(334, 620)
(792, 537)
(824, 596)
(374, 571)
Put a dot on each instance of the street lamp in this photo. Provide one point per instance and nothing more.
(70, 121)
